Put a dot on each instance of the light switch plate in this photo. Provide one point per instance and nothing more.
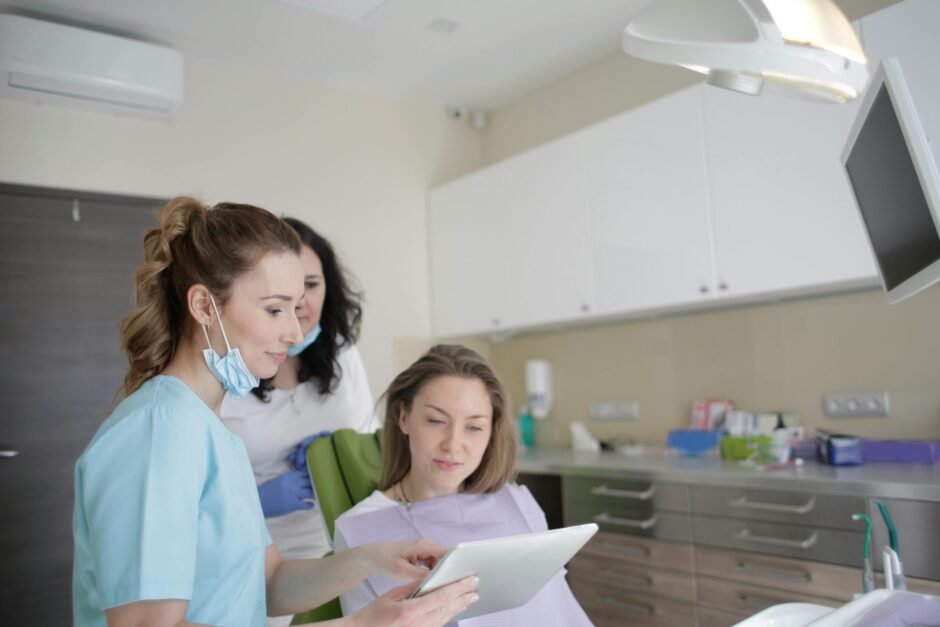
(615, 410)
(860, 404)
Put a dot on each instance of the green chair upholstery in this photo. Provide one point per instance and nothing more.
(345, 468)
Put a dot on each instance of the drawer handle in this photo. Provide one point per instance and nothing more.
(630, 607)
(755, 602)
(745, 534)
(605, 518)
(773, 573)
(805, 508)
(645, 495)
(639, 551)
(634, 580)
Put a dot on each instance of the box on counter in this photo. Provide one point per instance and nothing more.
(709, 414)
(901, 451)
(839, 450)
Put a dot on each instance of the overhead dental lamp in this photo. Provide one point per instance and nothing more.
(804, 48)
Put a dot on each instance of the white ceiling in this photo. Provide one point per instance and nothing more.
(500, 50)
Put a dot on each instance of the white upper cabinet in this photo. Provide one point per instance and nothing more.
(647, 191)
(783, 215)
(466, 229)
(510, 245)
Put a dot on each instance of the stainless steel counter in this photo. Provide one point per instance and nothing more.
(899, 481)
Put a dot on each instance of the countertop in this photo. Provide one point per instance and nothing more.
(900, 481)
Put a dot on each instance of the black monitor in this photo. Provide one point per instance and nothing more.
(893, 174)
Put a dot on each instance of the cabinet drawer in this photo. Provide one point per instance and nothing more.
(713, 617)
(917, 523)
(639, 550)
(749, 599)
(628, 576)
(823, 510)
(815, 578)
(616, 519)
(627, 493)
(609, 605)
(835, 546)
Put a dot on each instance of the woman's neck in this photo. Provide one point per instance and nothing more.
(287, 377)
(189, 366)
(411, 490)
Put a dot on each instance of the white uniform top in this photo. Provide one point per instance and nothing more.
(273, 430)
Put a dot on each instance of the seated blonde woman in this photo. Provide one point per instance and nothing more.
(449, 451)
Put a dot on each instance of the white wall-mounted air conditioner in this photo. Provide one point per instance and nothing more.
(48, 62)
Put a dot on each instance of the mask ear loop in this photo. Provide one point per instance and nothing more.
(228, 347)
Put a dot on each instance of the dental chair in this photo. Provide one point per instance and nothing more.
(345, 468)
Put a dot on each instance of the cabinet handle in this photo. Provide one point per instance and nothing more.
(8, 452)
(495, 322)
(755, 602)
(605, 518)
(805, 508)
(585, 307)
(774, 573)
(630, 607)
(637, 551)
(634, 580)
(745, 534)
(645, 495)
(703, 289)
(722, 286)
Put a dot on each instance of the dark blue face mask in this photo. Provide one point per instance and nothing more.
(230, 369)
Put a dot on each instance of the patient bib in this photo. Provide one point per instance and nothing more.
(449, 520)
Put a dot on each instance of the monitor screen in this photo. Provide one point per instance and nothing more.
(894, 204)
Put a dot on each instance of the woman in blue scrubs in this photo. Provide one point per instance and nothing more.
(167, 524)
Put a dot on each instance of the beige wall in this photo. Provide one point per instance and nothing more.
(779, 357)
(356, 167)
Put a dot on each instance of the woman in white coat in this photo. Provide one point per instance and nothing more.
(321, 387)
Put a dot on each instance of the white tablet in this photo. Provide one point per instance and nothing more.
(511, 569)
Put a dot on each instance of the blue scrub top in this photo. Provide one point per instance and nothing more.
(166, 508)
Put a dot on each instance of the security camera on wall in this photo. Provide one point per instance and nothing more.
(456, 113)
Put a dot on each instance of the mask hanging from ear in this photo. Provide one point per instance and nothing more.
(229, 369)
(295, 349)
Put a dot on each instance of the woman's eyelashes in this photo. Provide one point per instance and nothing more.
(274, 312)
(310, 285)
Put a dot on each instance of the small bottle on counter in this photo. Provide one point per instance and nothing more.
(526, 427)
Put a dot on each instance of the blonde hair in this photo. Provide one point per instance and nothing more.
(194, 244)
(499, 460)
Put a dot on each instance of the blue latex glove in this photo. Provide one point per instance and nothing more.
(286, 493)
(299, 457)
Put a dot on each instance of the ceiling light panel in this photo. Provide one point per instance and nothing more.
(355, 10)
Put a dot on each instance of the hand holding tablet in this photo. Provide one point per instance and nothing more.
(511, 569)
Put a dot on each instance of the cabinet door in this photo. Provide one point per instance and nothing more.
(467, 288)
(510, 245)
(651, 236)
(545, 261)
(784, 217)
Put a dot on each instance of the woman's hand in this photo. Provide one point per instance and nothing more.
(395, 608)
(403, 560)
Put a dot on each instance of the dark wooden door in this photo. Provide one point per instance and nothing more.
(66, 279)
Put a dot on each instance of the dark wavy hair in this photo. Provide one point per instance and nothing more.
(340, 319)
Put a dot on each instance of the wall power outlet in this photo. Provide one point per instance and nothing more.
(860, 404)
(614, 410)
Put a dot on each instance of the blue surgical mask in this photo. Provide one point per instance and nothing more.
(295, 349)
(230, 370)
